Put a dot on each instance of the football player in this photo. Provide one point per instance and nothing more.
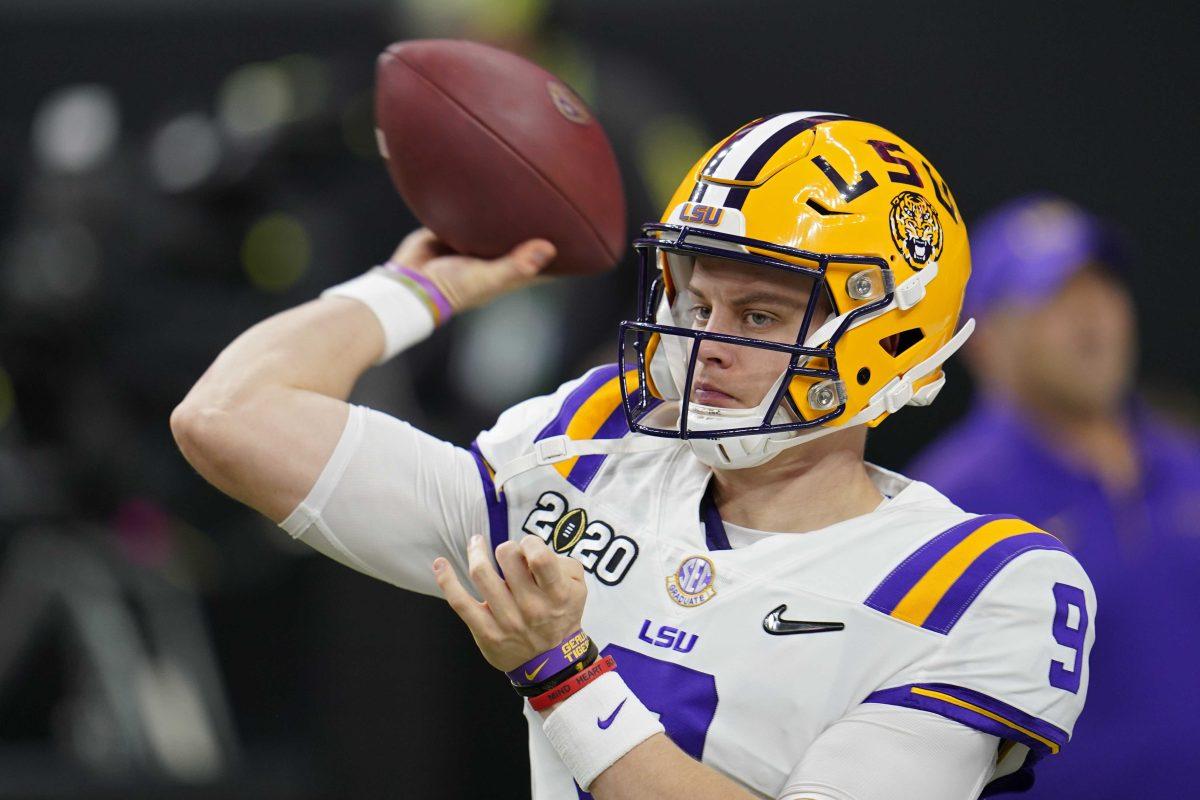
(704, 590)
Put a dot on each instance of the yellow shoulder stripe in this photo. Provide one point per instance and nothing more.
(594, 412)
(916, 606)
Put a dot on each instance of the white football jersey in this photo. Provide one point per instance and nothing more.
(749, 654)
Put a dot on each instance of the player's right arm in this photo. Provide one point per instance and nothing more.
(264, 420)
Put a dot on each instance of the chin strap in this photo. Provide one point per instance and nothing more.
(899, 392)
(554, 449)
(895, 394)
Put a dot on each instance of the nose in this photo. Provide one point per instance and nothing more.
(717, 354)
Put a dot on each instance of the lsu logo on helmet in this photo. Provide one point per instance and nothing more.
(916, 229)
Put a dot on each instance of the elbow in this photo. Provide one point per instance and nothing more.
(198, 431)
(191, 427)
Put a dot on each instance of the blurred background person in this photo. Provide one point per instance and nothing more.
(1060, 434)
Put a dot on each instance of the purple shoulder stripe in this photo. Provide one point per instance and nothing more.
(963, 591)
(497, 504)
(976, 710)
(615, 427)
(896, 585)
(578, 396)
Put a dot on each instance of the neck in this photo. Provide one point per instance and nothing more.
(1099, 444)
(1096, 440)
(805, 488)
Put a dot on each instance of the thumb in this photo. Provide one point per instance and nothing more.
(529, 258)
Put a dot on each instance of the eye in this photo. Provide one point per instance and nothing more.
(700, 313)
(759, 319)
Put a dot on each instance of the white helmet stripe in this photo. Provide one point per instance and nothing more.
(729, 161)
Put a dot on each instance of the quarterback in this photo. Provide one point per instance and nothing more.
(682, 560)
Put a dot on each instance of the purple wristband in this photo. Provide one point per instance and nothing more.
(553, 661)
(433, 298)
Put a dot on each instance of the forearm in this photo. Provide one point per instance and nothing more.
(322, 346)
(656, 769)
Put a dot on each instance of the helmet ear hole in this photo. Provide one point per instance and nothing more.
(897, 343)
(864, 376)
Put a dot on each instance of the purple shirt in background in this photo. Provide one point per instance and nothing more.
(1139, 734)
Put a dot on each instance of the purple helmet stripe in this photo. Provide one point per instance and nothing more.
(719, 156)
(973, 580)
(976, 710)
(900, 580)
(759, 158)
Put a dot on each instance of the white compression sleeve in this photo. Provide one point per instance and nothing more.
(879, 752)
(390, 500)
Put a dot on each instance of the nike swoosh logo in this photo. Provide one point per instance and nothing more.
(604, 723)
(531, 675)
(776, 625)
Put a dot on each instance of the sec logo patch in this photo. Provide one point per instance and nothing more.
(692, 583)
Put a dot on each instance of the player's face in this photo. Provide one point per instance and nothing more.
(732, 297)
(1081, 345)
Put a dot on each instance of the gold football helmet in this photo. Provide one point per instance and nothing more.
(849, 207)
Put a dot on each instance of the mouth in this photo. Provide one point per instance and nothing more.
(919, 249)
(709, 394)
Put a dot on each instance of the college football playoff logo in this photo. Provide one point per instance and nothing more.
(592, 542)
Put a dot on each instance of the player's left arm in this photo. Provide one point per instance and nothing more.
(529, 611)
(616, 749)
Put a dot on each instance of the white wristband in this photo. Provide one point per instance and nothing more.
(404, 317)
(597, 725)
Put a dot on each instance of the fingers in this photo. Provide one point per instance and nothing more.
(491, 586)
(529, 258)
(471, 611)
(518, 268)
(468, 282)
(419, 247)
(520, 580)
(550, 572)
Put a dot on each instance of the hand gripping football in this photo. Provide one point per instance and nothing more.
(489, 150)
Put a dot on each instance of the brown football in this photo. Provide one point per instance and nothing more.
(489, 150)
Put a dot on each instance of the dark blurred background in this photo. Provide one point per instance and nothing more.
(174, 171)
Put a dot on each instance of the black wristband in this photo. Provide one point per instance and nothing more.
(563, 676)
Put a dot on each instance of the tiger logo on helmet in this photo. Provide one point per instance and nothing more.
(916, 229)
